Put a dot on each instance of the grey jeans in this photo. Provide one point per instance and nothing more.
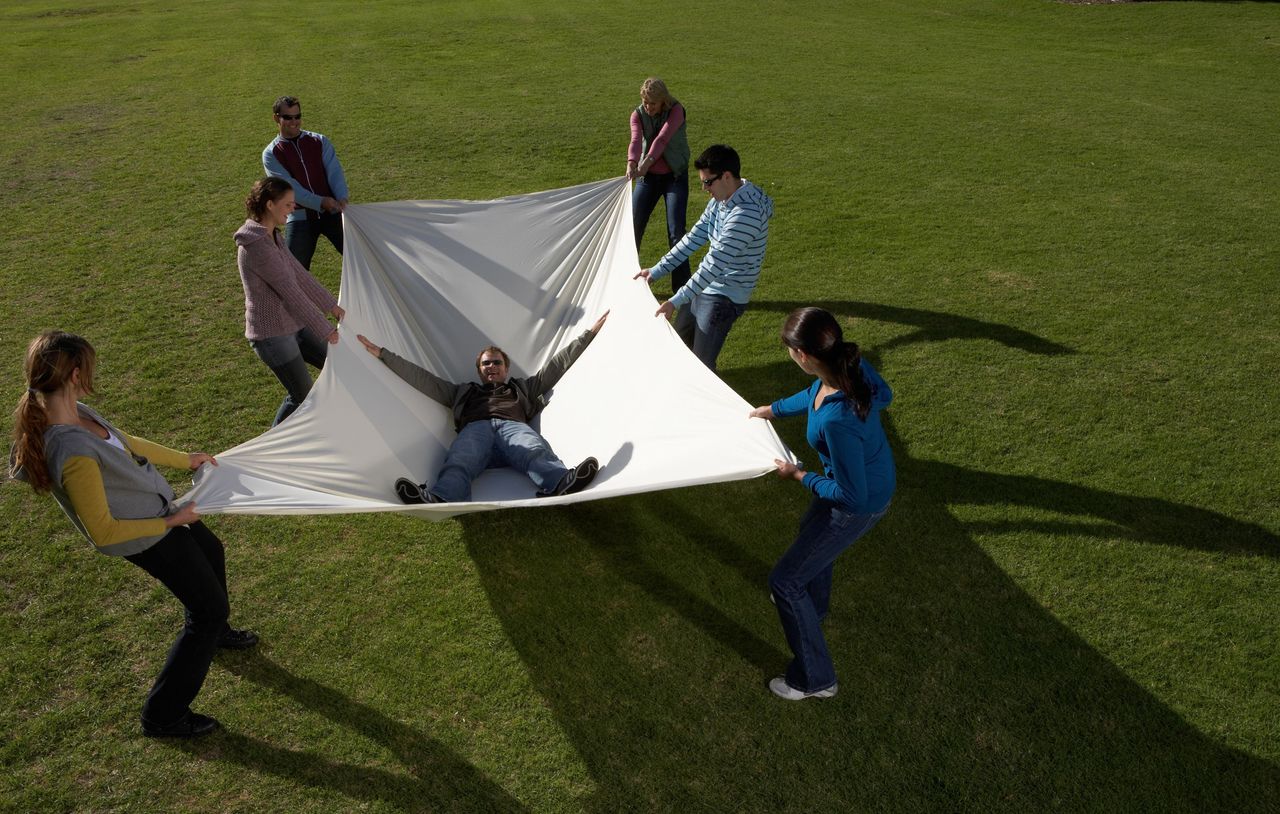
(288, 357)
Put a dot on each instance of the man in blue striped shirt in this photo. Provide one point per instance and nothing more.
(736, 224)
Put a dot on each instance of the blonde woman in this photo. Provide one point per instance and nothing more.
(658, 161)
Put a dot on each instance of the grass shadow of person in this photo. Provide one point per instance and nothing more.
(435, 778)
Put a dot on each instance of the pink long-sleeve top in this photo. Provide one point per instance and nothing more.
(280, 295)
(674, 121)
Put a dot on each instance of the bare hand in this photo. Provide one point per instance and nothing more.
(643, 273)
(377, 351)
(196, 459)
(338, 312)
(329, 205)
(184, 516)
(332, 338)
(631, 171)
(761, 412)
(786, 469)
(595, 329)
(665, 310)
(342, 205)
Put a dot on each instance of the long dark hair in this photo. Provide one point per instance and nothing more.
(817, 333)
(51, 359)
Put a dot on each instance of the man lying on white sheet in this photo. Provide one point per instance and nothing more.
(492, 419)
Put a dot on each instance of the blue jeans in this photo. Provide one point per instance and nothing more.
(801, 588)
(493, 442)
(712, 316)
(675, 189)
(301, 236)
(288, 357)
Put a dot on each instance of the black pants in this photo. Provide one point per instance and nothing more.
(190, 562)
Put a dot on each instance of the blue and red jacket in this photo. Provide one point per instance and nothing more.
(311, 165)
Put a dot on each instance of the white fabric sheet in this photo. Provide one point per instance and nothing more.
(436, 281)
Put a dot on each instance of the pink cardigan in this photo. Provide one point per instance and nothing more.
(280, 296)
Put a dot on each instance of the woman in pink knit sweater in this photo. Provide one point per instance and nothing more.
(284, 306)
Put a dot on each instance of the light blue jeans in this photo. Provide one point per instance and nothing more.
(494, 442)
(801, 587)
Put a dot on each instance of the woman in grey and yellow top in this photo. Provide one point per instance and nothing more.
(106, 482)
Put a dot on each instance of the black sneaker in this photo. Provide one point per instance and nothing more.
(408, 491)
(583, 474)
(562, 486)
(432, 497)
(233, 639)
(190, 725)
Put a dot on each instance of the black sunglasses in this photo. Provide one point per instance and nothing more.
(706, 182)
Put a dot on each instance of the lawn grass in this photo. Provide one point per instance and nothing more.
(1051, 226)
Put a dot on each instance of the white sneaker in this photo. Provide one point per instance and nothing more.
(782, 689)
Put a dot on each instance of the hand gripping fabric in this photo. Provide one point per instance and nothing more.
(436, 281)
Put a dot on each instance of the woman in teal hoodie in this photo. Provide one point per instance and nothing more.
(850, 494)
(106, 482)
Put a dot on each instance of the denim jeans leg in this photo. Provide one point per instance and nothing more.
(331, 227)
(468, 456)
(301, 237)
(527, 451)
(284, 356)
(314, 349)
(685, 325)
(714, 315)
(180, 562)
(677, 202)
(644, 197)
(824, 533)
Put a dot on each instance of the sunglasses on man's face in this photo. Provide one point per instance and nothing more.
(707, 182)
(287, 118)
(491, 362)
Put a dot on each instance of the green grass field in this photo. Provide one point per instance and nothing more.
(1052, 226)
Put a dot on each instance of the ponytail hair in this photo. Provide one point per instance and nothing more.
(818, 334)
(52, 358)
(264, 191)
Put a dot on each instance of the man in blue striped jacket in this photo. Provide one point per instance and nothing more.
(736, 224)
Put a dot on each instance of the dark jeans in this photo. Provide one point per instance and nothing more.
(710, 318)
(301, 236)
(801, 588)
(189, 561)
(288, 357)
(675, 189)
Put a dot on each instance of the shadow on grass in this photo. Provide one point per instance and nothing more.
(436, 778)
(931, 326)
(958, 691)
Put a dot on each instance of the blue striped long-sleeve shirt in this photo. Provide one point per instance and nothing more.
(738, 230)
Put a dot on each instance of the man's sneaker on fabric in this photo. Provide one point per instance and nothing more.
(583, 474)
(190, 725)
(782, 689)
(432, 497)
(562, 487)
(408, 491)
